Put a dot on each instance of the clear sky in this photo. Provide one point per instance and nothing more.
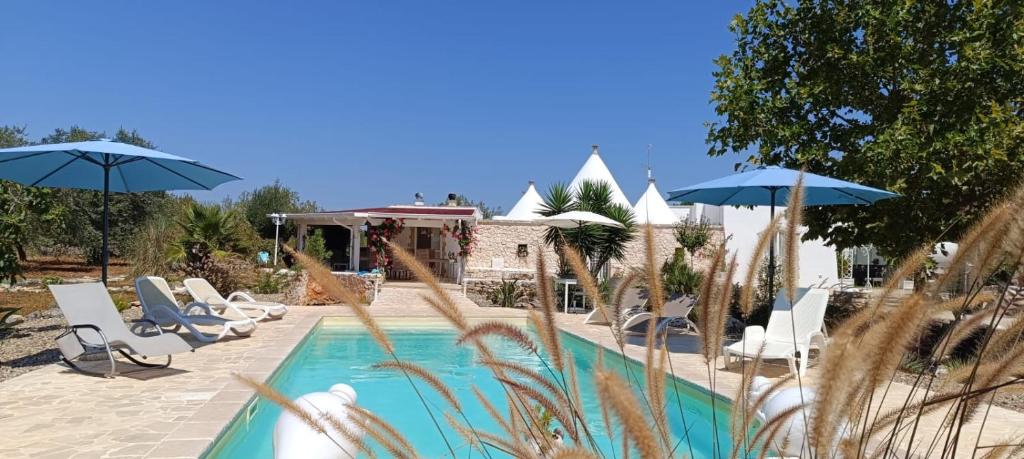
(366, 103)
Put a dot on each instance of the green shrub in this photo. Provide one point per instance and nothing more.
(508, 294)
(121, 302)
(268, 283)
(316, 246)
(149, 248)
(679, 278)
(53, 280)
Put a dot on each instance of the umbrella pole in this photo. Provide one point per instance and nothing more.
(771, 250)
(106, 221)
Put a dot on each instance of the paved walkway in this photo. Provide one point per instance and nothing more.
(54, 412)
(178, 412)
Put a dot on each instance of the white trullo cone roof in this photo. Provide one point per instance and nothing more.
(528, 207)
(652, 208)
(595, 170)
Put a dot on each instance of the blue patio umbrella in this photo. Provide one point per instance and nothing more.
(109, 167)
(768, 185)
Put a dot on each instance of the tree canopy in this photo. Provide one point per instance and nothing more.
(255, 205)
(921, 98)
(598, 244)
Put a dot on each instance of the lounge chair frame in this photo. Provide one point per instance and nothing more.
(88, 348)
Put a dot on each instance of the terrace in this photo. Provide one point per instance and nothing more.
(179, 412)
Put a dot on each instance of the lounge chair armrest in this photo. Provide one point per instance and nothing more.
(244, 296)
(159, 330)
(753, 332)
(73, 329)
(197, 305)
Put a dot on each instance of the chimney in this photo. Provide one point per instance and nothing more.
(453, 200)
(419, 199)
(594, 150)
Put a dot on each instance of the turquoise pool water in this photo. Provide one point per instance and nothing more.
(338, 351)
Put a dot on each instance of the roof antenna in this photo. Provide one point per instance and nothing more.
(649, 147)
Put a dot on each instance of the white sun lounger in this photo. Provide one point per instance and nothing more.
(160, 307)
(677, 308)
(632, 298)
(239, 302)
(791, 332)
(95, 327)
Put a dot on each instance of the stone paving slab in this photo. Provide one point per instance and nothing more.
(55, 412)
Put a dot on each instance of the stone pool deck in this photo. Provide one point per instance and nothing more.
(54, 412)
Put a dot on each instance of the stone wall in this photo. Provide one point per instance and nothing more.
(498, 238)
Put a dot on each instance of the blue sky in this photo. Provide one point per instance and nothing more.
(366, 103)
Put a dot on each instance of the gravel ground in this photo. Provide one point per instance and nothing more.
(30, 344)
(1010, 401)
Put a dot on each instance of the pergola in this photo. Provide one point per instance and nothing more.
(355, 220)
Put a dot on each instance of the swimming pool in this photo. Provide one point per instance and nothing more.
(341, 351)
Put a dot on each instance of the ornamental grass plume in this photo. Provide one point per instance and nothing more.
(501, 329)
(750, 279)
(334, 288)
(424, 375)
(548, 328)
(794, 218)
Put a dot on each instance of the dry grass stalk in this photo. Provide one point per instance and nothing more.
(720, 314)
(961, 331)
(556, 409)
(616, 393)
(606, 417)
(572, 453)
(657, 293)
(423, 374)
(517, 449)
(493, 412)
(740, 419)
(333, 287)
(906, 268)
(585, 279)
(347, 433)
(770, 429)
(616, 319)
(444, 301)
(654, 375)
(750, 279)
(574, 390)
(794, 218)
(375, 422)
(706, 303)
(509, 366)
(968, 245)
(547, 326)
(284, 402)
(452, 314)
(501, 329)
(467, 434)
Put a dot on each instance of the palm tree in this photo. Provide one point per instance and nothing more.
(557, 201)
(208, 231)
(599, 244)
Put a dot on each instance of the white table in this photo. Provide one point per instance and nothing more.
(567, 282)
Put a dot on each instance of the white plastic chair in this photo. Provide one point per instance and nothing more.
(791, 332)
(160, 306)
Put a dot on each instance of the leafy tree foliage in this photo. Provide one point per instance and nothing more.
(922, 98)
(21, 210)
(78, 221)
(269, 199)
(599, 244)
